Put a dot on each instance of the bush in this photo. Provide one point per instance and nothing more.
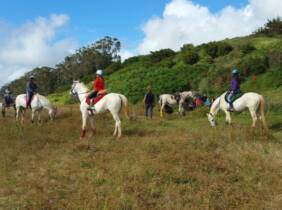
(247, 48)
(157, 56)
(216, 49)
(254, 64)
(223, 48)
(113, 67)
(190, 57)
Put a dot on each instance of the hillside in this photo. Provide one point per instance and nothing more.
(205, 68)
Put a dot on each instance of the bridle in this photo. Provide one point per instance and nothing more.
(76, 93)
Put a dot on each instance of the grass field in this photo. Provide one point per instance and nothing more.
(176, 163)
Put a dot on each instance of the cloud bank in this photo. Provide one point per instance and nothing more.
(31, 45)
(184, 21)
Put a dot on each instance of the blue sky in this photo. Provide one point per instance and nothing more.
(36, 33)
(90, 20)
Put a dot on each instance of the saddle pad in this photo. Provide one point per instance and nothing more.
(96, 99)
(234, 97)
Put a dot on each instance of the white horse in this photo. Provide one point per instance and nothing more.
(253, 101)
(38, 103)
(112, 102)
(178, 98)
(166, 99)
(182, 99)
(3, 108)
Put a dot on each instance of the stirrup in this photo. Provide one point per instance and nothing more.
(231, 109)
(91, 110)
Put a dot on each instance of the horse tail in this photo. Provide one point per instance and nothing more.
(125, 104)
(262, 112)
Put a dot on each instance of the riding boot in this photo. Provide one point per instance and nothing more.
(231, 108)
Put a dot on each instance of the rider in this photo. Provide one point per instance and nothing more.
(234, 88)
(31, 89)
(8, 96)
(98, 86)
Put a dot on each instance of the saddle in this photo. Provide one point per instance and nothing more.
(234, 97)
(95, 100)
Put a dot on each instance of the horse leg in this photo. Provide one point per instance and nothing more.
(161, 111)
(3, 112)
(84, 122)
(39, 116)
(17, 113)
(227, 117)
(32, 115)
(254, 117)
(91, 119)
(117, 125)
(23, 114)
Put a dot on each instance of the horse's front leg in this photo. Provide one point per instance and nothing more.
(91, 119)
(84, 122)
(32, 115)
(161, 111)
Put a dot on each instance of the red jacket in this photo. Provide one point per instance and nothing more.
(98, 84)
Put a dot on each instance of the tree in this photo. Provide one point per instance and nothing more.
(271, 28)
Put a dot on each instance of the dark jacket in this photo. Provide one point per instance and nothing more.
(31, 87)
(149, 98)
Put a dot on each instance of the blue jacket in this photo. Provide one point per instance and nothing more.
(31, 87)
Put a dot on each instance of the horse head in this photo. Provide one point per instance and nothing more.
(211, 119)
(73, 91)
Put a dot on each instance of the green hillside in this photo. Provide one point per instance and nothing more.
(205, 68)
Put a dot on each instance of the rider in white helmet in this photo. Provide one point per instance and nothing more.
(99, 86)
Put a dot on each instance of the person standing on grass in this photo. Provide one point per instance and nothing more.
(149, 101)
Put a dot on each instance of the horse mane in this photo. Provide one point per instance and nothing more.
(83, 86)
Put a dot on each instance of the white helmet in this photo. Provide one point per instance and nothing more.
(99, 72)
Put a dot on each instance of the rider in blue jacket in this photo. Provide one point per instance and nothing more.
(31, 89)
(234, 88)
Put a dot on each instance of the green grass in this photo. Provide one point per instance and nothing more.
(175, 163)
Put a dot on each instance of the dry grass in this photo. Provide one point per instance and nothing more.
(179, 163)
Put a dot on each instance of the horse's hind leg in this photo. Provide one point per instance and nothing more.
(117, 126)
(227, 117)
(39, 116)
(254, 117)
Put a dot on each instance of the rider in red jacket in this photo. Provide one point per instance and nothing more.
(98, 85)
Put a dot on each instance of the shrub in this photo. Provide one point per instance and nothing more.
(254, 64)
(190, 57)
(157, 56)
(247, 48)
(216, 49)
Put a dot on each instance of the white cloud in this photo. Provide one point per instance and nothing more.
(126, 54)
(31, 45)
(184, 21)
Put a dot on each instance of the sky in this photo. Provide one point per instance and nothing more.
(41, 33)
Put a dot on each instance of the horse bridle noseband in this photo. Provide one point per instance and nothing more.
(73, 93)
